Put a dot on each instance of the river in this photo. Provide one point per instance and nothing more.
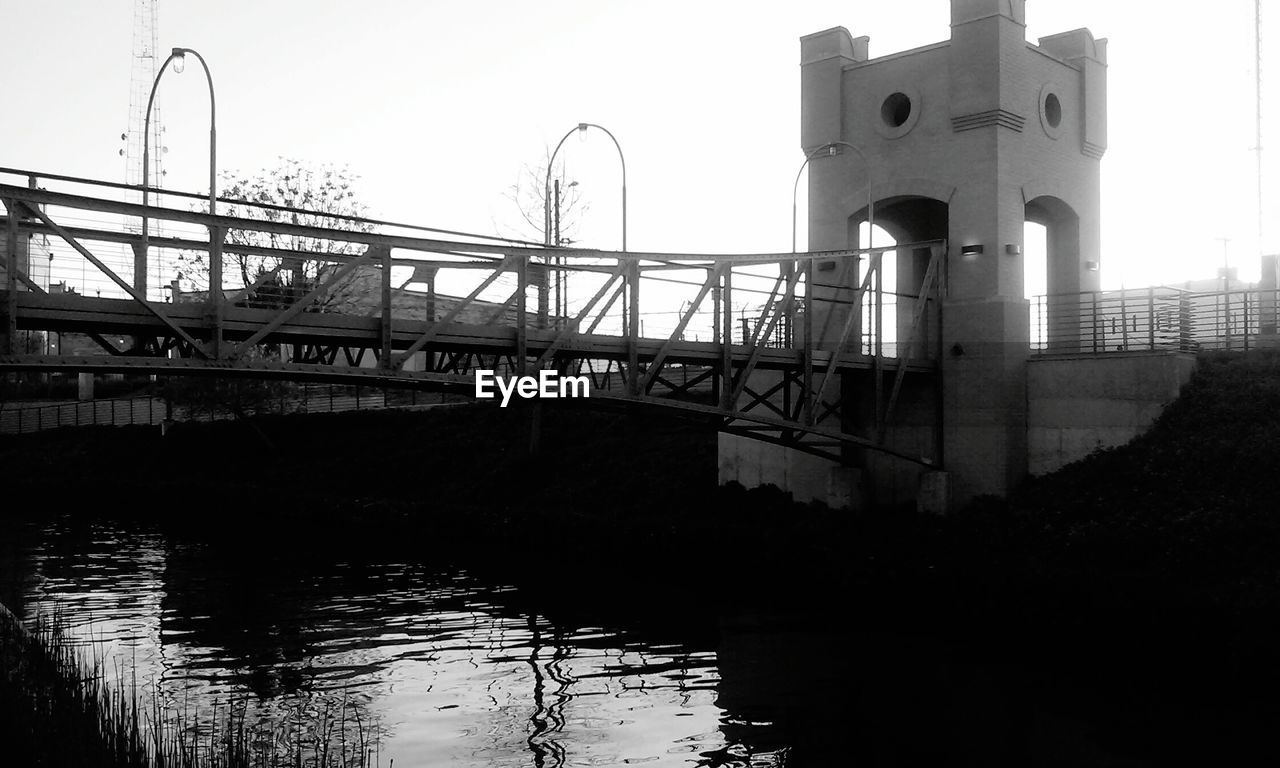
(453, 665)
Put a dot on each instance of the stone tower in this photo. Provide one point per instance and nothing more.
(968, 139)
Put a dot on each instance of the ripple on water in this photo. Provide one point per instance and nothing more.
(454, 669)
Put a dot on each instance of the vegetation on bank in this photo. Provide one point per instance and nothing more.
(55, 710)
(1193, 504)
(61, 709)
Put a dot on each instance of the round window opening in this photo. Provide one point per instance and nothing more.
(1052, 110)
(895, 110)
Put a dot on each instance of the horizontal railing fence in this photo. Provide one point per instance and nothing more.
(27, 417)
(1153, 318)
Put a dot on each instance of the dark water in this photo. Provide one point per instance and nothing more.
(457, 667)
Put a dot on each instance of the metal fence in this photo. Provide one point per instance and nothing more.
(28, 416)
(1154, 318)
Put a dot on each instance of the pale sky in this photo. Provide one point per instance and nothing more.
(438, 105)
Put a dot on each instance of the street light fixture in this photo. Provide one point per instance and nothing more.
(179, 56)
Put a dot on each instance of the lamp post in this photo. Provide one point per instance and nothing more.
(581, 128)
(178, 57)
(633, 280)
(830, 149)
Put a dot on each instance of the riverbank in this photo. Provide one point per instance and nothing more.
(53, 708)
(1143, 581)
(63, 705)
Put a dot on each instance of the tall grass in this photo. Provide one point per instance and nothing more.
(59, 708)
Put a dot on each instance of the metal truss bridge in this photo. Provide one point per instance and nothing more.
(757, 342)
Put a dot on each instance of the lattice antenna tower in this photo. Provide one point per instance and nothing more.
(146, 62)
(1257, 147)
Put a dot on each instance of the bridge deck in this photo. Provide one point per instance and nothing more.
(125, 317)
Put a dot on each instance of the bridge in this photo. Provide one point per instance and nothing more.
(741, 339)
(747, 345)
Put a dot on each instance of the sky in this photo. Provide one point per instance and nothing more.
(437, 106)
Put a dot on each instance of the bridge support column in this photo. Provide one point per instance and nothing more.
(935, 493)
(139, 283)
(214, 304)
(84, 386)
(13, 262)
(1267, 304)
(632, 327)
(984, 370)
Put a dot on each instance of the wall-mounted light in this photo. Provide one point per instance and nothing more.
(973, 249)
(1092, 266)
(1013, 249)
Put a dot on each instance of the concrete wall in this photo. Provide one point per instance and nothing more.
(754, 463)
(912, 430)
(1076, 405)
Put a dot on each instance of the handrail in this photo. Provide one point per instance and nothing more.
(46, 197)
(254, 204)
(1152, 318)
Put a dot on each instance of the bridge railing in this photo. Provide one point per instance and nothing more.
(1152, 318)
(310, 294)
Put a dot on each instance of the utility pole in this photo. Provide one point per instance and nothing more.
(558, 273)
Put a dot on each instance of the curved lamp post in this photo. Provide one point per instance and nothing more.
(631, 313)
(581, 128)
(178, 57)
(546, 198)
(830, 149)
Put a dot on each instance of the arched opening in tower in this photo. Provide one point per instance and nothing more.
(1053, 271)
(1034, 261)
(907, 219)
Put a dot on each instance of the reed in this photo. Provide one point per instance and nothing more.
(59, 707)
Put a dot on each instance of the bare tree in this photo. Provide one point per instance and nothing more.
(529, 197)
(545, 200)
(308, 195)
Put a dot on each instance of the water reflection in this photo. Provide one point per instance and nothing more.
(453, 668)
